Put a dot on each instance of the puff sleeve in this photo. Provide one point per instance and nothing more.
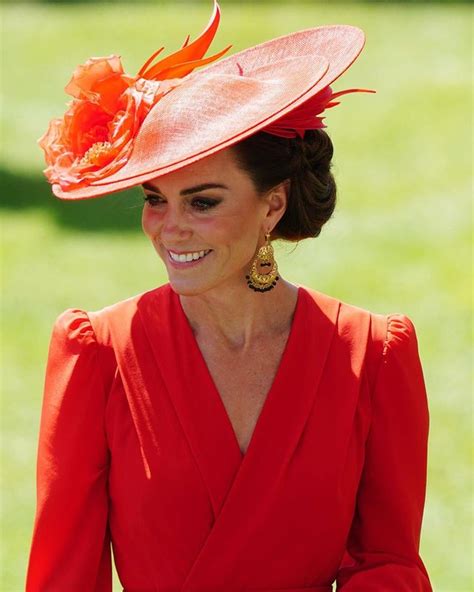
(70, 548)
(382, 551)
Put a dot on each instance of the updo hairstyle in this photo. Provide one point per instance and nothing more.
(270, 160)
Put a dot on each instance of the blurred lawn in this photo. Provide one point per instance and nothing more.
(399, 241)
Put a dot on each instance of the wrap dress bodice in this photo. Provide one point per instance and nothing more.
(137, 455)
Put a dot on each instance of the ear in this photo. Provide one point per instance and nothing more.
(277, 202)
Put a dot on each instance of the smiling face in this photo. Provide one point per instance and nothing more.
(206, 222)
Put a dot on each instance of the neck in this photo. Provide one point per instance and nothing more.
(238, 317)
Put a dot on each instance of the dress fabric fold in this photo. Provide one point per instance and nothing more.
(136, 454)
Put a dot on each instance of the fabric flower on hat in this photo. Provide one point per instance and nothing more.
(95, 136)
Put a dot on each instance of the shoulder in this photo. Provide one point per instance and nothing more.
(345, 309)
(400, 336)
(389, 330)
(130, 305)
(81, 327)
(72, 329)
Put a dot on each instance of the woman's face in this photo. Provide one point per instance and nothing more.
(206, 222)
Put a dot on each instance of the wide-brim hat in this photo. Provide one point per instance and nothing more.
(122, 131)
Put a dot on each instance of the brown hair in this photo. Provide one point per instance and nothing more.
(270, 160)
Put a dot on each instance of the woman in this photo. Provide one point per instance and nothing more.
(228, 430)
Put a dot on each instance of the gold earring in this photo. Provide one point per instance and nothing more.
(262, 282)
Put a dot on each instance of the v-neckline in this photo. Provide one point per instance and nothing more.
(214, 392)
(231, 477)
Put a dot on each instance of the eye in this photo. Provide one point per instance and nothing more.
(204, 203)
(200, 204)
(153, 200)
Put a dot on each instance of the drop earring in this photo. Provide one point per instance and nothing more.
(262, 282)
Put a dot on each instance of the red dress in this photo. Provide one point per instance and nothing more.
(137, 451)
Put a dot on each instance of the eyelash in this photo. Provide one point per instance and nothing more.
(207, 202)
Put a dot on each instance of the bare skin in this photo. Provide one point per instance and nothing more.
(241, 333)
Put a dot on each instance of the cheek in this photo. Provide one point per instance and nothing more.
(241, 238)
(233, 232)
(150, 222)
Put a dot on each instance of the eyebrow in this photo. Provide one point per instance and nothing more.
(189, 190)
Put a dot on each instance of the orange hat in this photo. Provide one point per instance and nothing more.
(120, 130)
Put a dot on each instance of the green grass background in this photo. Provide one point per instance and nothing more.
(398, 242)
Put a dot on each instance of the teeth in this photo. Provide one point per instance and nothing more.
(185, 257)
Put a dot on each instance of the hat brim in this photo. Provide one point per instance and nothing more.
(230, 100)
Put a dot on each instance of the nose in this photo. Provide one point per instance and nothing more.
(174, 224)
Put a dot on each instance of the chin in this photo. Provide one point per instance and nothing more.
(188, 287)
(199, 285)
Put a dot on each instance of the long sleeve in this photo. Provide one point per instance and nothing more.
(382, 551)
(70, 548)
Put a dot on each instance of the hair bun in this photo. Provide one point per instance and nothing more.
(315, 151)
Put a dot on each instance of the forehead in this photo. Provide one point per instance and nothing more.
(219, 168)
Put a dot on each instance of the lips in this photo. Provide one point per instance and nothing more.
(188, 257)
